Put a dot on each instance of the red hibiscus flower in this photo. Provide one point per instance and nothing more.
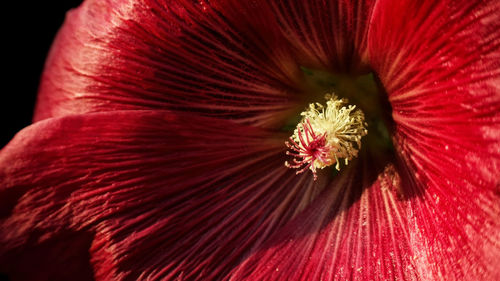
(157, 149)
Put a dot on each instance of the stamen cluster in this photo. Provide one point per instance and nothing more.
(326, 134)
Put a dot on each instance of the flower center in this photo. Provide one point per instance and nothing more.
(326, 134)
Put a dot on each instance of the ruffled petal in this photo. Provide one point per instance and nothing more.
(183, 55)
(145, 194)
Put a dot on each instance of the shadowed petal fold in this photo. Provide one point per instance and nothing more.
(151, 194)
(329, 35)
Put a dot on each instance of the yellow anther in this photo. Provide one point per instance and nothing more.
(326, 134)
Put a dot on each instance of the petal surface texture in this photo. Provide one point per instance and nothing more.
(121, 55)
(153, 198)
(436, 215)
(442, 75)
(157, 152)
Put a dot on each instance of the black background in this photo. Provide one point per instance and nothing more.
(29, 30)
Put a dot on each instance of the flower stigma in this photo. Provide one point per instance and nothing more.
(326, 134)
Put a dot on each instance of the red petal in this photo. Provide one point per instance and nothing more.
(439, 64)
(156, 194)
(121, 55)
(441, 69)
(358, 230)
(329, 35)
